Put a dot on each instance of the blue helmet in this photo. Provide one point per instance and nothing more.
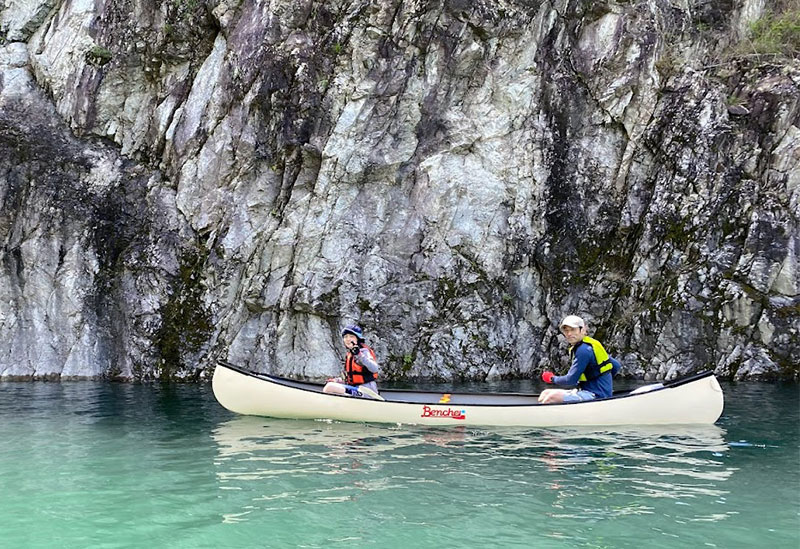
(355, 330)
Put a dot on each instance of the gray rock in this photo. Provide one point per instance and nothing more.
(193, 181)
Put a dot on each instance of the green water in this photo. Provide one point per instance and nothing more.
(109, 465)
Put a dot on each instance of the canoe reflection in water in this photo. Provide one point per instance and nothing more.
(643, 456)
(249, 436)
(288, 464)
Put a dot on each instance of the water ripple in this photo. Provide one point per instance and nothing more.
(102, 465)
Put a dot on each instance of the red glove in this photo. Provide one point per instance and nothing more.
(547, 377)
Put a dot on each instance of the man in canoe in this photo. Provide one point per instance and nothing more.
(360, 367)
(591, 369)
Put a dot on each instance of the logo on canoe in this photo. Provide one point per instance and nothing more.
(452, 413)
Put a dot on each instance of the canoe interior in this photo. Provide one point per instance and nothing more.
(436, 397)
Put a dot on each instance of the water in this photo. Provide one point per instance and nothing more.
(112, 466)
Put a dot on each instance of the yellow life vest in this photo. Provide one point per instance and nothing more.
(600, 356)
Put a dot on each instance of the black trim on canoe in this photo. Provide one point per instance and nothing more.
(512, 399)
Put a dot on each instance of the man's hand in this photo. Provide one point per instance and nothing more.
(547, 377)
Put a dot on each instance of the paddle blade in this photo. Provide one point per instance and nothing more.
(366, 391)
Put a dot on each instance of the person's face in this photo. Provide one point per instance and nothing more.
(573, 335)
(349, 340)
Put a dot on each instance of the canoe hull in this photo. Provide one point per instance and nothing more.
(699, 401)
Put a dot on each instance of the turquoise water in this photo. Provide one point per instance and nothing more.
(110, 465)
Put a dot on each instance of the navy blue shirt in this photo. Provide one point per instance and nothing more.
(602, 387)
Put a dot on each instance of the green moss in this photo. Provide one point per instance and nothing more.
(398, 367)
(481, 33)
(446, 289)
(789, 311)
(755, 295)
(734, 101)
(729, 225)
(591, 258)
(677, 234)
(188, 5)
(480, 341)
(98, 56)
(667, 63)
(185, 323)
(787, 367)
(777, 33)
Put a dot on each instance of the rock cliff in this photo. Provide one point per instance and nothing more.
(192, 180)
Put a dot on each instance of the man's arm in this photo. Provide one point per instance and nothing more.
(615, 365)
(583, 355)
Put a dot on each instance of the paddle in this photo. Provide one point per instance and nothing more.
(370, 393)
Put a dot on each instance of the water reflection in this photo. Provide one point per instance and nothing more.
(252, 448)
(288, 465)
(653, 448)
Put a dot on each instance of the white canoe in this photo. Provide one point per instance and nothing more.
(696, 399)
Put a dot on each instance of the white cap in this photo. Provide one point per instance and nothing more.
(573, 321)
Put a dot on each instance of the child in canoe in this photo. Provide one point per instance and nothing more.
(360, 367)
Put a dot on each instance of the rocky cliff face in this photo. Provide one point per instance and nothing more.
(193, 180)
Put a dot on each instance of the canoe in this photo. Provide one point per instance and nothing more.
(696, 399)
